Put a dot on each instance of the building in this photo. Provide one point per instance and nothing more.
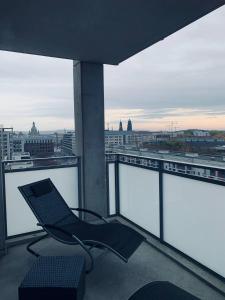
(41, 145)
(58, 137)
(119, 137)
(34, 143)
(18, 143)
(121, 126)
(114, 138)
(33, 131)
(129, 125)
(201, 133)
(37, 144)
(6, 143)
(69, 143)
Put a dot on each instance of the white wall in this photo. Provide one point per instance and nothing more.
(20, 218)
(139, 196)
(194, 220)
(112, 191)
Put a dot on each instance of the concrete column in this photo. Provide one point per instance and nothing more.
(2, 214)
(90, 140)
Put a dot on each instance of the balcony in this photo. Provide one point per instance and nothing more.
(180, 213)
(178, 206)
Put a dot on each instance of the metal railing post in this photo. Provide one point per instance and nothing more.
(107, 187)
(2, 212)
(161, 200)
(117, 185)
(81, 214)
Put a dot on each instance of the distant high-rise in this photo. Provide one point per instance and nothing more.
(69, 143)
(6, 145)
(129, 125)
(121, 126)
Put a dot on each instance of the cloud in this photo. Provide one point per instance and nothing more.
(179, 79)
(35, 88)
(185, 70)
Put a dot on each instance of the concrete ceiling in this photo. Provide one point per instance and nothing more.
(103, 31)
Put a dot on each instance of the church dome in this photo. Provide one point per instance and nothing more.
(33, 130)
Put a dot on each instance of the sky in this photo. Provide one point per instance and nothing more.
(178, 83)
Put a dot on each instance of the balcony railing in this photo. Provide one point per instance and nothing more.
(63, 171)
(180, 204)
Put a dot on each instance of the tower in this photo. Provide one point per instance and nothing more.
(33, 130)
(129, 125)
(121, 126)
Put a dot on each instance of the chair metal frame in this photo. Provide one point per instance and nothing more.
(86, 245)
(77, 241)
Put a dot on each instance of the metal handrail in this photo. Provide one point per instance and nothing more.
(39, 159)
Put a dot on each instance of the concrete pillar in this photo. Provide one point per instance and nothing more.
(90, 140)
(2, 213)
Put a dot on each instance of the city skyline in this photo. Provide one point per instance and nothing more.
(172, 127)
(171, 81)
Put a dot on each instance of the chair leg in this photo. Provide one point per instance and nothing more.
(31, 251)
(33, 243)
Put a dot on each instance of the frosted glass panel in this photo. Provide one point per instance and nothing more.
(112, 198)
(139, 196)
(20, 218)
(194, 220)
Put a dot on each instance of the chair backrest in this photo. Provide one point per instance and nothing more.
(47, 204)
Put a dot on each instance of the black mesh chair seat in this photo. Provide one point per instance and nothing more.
(121, 238)
(162, 290)
(59, 221)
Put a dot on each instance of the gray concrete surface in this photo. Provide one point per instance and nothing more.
(90, 136)
(111, 279)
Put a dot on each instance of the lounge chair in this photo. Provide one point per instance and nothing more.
(60, 223)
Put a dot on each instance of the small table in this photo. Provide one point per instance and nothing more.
(161, 290)
(54, 277)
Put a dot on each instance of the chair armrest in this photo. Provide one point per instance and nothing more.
(91, 213)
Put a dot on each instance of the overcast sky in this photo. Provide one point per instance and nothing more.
(179, 80)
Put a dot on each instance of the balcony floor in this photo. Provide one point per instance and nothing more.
(111, 278)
